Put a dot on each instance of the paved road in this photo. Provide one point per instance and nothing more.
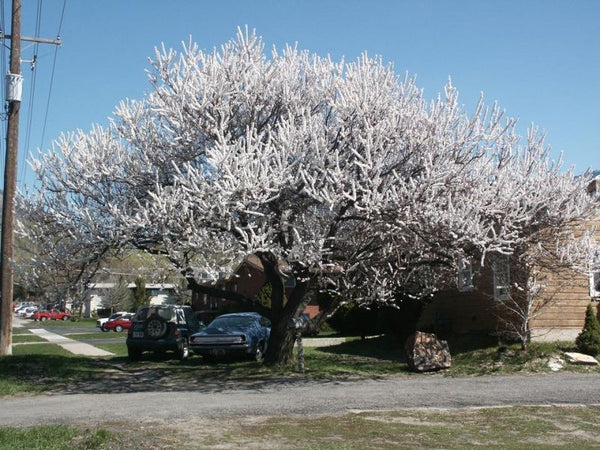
(302, 397)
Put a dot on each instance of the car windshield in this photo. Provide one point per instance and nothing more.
(162, 312)
(238, 322)
(114, 316)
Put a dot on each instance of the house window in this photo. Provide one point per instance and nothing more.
(595, 284)
(465, 275)
(501, 273)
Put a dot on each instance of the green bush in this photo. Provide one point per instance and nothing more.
(588, 340)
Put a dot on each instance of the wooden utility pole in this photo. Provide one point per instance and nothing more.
(10, 185)
(10, 175)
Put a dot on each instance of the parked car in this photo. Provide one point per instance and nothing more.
(100, 322)
(119, 324)
(161, 328)
(28, 313)
(51, 315)
(22, 305)
(244, 334)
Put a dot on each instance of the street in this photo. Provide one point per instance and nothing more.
(304, 397)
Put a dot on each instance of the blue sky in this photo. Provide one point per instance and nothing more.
(539, 59)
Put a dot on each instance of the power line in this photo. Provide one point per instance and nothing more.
(36, 45)
(62, 15)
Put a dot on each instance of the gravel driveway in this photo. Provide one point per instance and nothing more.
(304, 397)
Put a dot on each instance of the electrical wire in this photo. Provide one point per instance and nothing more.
(62, 15)
(31, 92)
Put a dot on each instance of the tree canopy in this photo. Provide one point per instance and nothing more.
(339, 174)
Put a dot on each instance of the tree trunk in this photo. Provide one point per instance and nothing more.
(281, 342)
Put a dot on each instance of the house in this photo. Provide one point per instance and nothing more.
(96, 293)
(247, 279)
(481, 302)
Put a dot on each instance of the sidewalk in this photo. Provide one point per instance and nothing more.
(70, 345)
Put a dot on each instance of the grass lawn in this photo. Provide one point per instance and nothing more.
(96, 335)
(507, 427)
(55, 437)
(23, 338)
(87, 323)
(48, 368)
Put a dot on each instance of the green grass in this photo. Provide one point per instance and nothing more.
(88, 323)
(97, 335)
(21, 338)
(50, 437)
(47, 367)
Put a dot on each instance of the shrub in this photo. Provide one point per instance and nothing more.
(588, 340)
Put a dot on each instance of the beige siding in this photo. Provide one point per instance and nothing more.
(567, 296)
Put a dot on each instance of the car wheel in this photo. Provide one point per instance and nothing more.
(258, 353)
(65, 318)
(103, 328)
(134, 354)
(155, 328)
(119, 328)
(183, 352)
(43, 319)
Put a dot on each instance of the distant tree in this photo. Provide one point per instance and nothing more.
(119, 297)
(140, 296)
(588, 340)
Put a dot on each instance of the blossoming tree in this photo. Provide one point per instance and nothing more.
(339, 175)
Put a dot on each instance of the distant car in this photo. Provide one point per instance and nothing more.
(23, 305)
(28, 312)
(161, 328)
(42, 316)
(100, 322)
(243, 334)
(119, 324)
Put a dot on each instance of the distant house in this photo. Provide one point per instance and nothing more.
(160, 293)
(476, 303)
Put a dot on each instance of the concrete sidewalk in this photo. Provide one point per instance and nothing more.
(70, 345)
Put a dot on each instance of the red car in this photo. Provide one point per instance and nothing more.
(120, 323)
(51, 315)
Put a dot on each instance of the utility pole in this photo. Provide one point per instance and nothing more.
(14, 90)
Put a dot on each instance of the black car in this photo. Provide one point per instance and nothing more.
(242, 334)
(161, 328)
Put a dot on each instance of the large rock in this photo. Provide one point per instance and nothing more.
(581, 359)
(426, 353)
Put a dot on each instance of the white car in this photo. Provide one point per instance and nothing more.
(27, 313)
(100, 322)
(23, 306)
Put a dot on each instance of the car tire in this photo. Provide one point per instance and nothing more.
(155, 328)
(118, 328)
(183, 352)
(134, 354)
(43, 319)
(259, 352)
(103, 328)
(65, 318)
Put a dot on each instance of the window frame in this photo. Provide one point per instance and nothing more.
(464, 276)
(594, 280)
(501, 278)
